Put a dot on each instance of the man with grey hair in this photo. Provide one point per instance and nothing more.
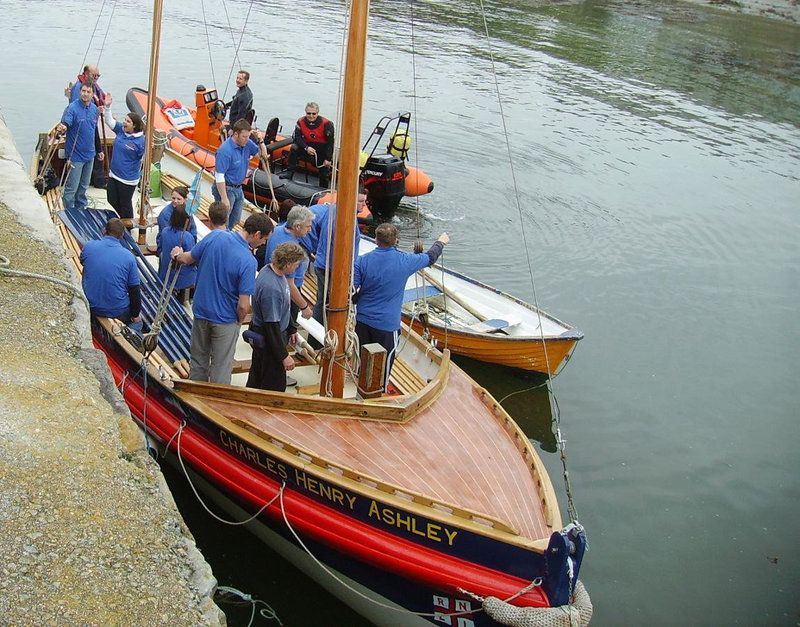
(313, 141)
(296, 227)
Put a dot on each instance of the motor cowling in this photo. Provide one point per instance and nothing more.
(384, 178)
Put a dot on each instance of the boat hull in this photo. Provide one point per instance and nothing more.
(525, 353)
(400, 565)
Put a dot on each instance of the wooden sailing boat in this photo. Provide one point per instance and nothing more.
(411, 507)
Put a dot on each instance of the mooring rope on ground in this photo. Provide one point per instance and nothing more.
(4, 269)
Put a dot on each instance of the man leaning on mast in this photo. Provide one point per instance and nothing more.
(232, 161)
(380, 280)
(226, 275)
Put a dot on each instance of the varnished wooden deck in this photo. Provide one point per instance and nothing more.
(457, 451)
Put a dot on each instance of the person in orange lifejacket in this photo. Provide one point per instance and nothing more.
(313, 140)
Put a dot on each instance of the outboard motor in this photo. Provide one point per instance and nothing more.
(383, 177)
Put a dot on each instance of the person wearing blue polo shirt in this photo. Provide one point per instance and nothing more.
(126, 160)
(296, 227)
(380, 280)
(321, 252)
(272, 321)
(91, 75)
(226, 276)
(177, 233)
(80, 121)
(111, 277)
(232, 160)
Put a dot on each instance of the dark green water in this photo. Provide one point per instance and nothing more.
(656, 154)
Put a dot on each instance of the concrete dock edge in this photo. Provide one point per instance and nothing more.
(91, 534)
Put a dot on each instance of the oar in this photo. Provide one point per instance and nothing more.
(264, 163)
(103, 146)
(453, 296)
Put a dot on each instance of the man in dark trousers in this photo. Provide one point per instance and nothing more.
(380, 280)
(272, 322)
(313, 140)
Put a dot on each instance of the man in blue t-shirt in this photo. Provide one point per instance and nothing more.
(80, 121)
(226, 273)
(111, 277)
(380, 280)
(91, 75)
(230, 169)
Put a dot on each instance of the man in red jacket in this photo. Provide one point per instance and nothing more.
(313, 141)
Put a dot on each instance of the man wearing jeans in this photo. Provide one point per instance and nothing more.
(80, 121)
(226, 277)
(232, 159)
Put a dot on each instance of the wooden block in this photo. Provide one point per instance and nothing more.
(373, 367)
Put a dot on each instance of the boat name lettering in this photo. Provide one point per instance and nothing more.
(253, 455)
(315, 486)
(412, 524)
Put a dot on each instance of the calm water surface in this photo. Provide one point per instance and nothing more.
(656, 154)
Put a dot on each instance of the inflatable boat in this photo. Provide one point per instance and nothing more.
(196, 135)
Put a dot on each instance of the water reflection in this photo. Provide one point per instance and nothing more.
(522, 394)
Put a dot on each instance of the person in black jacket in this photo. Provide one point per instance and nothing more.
(242, 101)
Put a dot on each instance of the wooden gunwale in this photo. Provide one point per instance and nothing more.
(388, 408)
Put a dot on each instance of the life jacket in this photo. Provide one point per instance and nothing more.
(314, 135)
(99, 97)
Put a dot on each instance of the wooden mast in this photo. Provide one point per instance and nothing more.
(345, 224)
(155, 46)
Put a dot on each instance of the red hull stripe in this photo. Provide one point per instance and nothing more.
(436, 570)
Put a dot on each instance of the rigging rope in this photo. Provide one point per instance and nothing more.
(208, 41)
(108, 29)
(91, 37)
(556, 412)
(236, 47)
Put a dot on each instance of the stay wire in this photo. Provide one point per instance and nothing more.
(91, 37)
(108, 29)
(208, 41)
(236, 47)
(556, 412)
